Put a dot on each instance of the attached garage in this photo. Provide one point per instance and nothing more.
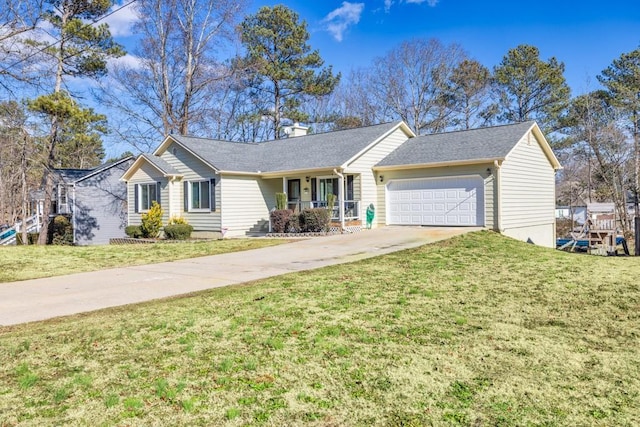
(500, 177)
(450, 201)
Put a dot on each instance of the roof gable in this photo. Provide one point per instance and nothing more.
(464, 147)
(156, 162)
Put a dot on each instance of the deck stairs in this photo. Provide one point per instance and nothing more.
(8, 236)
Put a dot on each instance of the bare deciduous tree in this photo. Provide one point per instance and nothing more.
(411, 82)
(167, 85)
(18, 19)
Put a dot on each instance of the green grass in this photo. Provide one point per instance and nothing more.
(478, 330)
(32, 262)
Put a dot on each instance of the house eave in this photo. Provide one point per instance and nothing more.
(280, 174)
(438, 164)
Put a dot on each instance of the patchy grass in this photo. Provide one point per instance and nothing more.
(32, 262)
(477, 330)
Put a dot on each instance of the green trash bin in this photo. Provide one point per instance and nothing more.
(371, 212)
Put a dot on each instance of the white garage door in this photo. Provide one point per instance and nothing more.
(436, 201)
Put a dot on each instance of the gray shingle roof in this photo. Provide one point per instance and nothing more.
(469, 145)
(161, 164)
(223, 155)
(316, 151)
(71, 175)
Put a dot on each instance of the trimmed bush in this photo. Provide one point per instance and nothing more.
(280, 220)
(315, 220)
(178, 231)
(62, 231)
(152, 221)
(174, 220)
(294, 224)
(133, 231)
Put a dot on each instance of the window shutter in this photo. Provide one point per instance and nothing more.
(136, 198)
(186, 196)
(212, 200)
(158, 194)
(349, 187)
(314, 190)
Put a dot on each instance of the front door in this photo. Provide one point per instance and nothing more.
(293, 193)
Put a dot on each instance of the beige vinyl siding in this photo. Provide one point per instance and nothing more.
(489, 191)
(362, 168)
(192, 169)
(247, 202)
(146, 174)
(527, 182)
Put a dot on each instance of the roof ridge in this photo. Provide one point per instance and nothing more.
(278, 140)
(478, 128)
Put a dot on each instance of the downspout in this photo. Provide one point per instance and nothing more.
(72, 207)
(340, 198)
(498, 179)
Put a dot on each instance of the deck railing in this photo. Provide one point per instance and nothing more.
(351, 208)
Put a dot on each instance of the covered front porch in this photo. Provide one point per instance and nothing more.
(312, 190)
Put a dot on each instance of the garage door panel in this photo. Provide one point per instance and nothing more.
(437, 201)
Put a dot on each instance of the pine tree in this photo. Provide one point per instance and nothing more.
(283, 67)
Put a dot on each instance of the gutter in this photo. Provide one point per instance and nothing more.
(73, 212)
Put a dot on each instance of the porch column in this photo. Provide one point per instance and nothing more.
(340, 198)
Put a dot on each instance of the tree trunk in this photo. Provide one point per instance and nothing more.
(25, 194)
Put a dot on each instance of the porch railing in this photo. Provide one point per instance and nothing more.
(351, 208)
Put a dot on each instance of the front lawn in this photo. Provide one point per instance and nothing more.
(32, 262)
(478, 330)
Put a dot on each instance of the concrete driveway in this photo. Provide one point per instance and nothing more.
(41, 299)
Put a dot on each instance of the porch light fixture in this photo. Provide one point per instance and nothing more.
(307, 178)
(489, 171)
(381, 178)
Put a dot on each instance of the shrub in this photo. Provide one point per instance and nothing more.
(178, 231)
(62, 231)
(177, 220)
(152, 221)
(281, 201)
(331, 201)
(315, 220)
(133, 231)
(280, 220)
(293, 226)
(32, 238)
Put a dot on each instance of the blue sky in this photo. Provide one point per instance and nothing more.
(586, 35)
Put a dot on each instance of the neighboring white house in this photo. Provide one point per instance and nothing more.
(500, 177)
(579, 213)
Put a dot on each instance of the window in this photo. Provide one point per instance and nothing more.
(147, 194)
(63, 195)
(199, 196)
